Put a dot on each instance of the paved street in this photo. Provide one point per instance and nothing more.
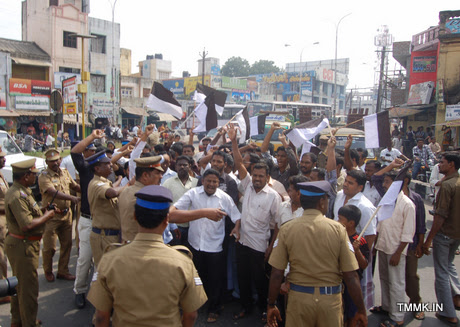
(56, 307)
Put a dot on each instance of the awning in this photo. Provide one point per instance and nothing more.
(8, 113)
(44, 113)
(398, 112)
(165, 117)
(71, 119)
(103, 116)
(135, 111)
(31, 62)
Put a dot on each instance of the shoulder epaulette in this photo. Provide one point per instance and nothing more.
(184, 250)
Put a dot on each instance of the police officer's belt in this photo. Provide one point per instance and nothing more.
(26, 238)
(84, 215)
(322, 290)
(107, 232)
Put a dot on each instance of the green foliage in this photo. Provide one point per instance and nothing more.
(263, 67)
(236, 67)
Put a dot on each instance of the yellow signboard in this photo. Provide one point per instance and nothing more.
(190, 83)
(70, 108)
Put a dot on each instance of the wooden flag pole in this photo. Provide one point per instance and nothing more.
(230, 120)
(356, 121)
(368, 223)
(330, 128)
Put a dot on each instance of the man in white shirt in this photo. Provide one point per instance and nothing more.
(206, 236)
(389, 154)
(352, 194)
(372, 166)
(394, 235)
(260, 206)
(49, 140)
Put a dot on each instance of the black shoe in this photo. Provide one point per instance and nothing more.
(431, 212)
(80, 300)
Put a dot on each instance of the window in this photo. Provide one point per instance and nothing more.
(163, 75)
(69, 41)
(54, 3)
(69, 70)
(98, 44)
(98, 83)
(146, 92)
(325, 88)
(324, 100)
(126, 92)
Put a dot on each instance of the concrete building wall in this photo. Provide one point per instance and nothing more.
(125, 62)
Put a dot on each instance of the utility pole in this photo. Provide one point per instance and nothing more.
(384, 40)
(381, 75)
(203, 57)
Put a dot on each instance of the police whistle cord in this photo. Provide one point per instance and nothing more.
(368, 223)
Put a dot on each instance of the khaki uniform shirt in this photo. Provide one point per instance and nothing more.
(61, 181)
(3, 189)
(317, 249)
(147, 283)
(21, 208)
(126, 203)
(448, 205)
(104, 211)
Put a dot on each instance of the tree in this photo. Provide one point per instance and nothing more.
(263, 67)
(236, 67)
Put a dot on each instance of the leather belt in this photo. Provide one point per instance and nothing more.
(107, 232)
(328, 290)
(26, 238)
(84, 215)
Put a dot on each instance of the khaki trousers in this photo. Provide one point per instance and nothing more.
(23, 257)
(57, 229)
(315, 310)
(3, 260)
(98, 244)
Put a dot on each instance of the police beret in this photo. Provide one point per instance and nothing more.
(149, 162)
(91, 147)
(99, 157)
(52, 155)
(25, 166)
(318, 188)
(154, 197)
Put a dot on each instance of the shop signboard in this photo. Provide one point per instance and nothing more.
(32, 103)
(234, 83)
(453, 26)
(69, 91)
(176, 86)
(452, 112)
(19, 86)
(190, 83)
(59, 77)
(420, 93)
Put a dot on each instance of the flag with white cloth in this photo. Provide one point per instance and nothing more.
(302, 133)
(377, 130)
(388, 202)
(250, 126)
(203, 91)
(162, 100)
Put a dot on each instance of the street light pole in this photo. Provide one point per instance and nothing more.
(335, 63)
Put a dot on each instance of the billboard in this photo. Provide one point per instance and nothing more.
(420, 93)
(452, 112)
(59, 77)
(234, 83)
(453, 26)
(19, 86)
(423, 67)
(69, 95)
(190, 83)
(32, 103)
(176, 86)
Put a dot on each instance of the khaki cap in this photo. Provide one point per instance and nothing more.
(25, 166)
(149, 162)
(52, 155)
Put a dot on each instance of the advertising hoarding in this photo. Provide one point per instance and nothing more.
(32, 103)
(190, 83)
(423, 67)
(452, 112)
(176, 86)
(59, 77)
(420, 93)
(69, 95)
(233, 83)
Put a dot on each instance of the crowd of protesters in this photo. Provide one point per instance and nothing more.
(233, 210)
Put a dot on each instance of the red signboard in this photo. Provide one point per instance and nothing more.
(41, 88)
(423, 67)
(21, 86)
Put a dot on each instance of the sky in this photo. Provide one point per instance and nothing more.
(254, 29)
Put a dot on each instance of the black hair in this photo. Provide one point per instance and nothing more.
(18, 176)
(188, 146)
(147, 146)
(359, 175)
(310, 202)
(268, 162)
(339, 161)
(149, 218)
(141, 170)
(296, 179)
(351, 213)
(376, 163)
(220, 153)
(391, 174)
(126, 165)
(254, 158)
(321, 173)
(230, 161)
(159, 148)
(146, 154)
(281, 148)
(177, 147)
(210, 172)
(313, 157)
(186, 158)
(452, 157)
(354, 155)
(364, 152)
(408, 177)
(262, 165)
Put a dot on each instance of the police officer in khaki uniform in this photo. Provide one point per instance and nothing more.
(320, 255)
(103, 203)
(148, 172)
(56, 182)
(163, 277)
(26, 224)
(3, 189)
